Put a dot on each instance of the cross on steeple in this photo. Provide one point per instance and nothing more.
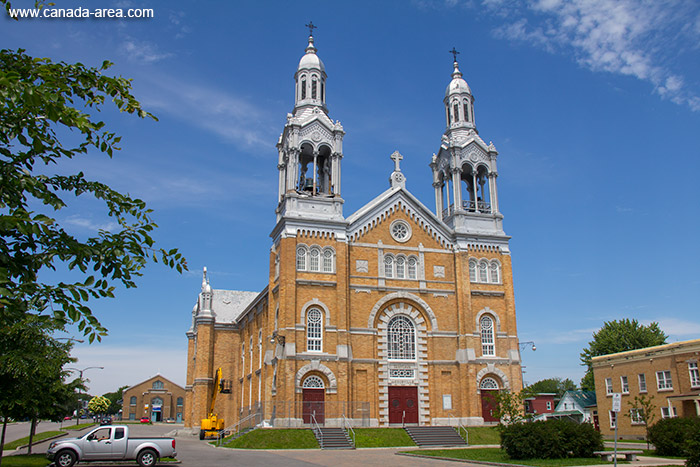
(311, 28)
(454, 53)
(396, 157)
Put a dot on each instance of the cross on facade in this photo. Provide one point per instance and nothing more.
(311, 28)
(454, 53)
(396, 157)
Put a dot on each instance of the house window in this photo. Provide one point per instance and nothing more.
(549, 405)
(613, 419)
(132, 416)
(313, 382)
(494, 275)
(466, 110)
(401, 335)
(694, 374)
(301, 258)
(456, 111)
(608, 386)
(314, 330)
(413, 262)
(668, 412)
(327, 260)
(663, 381)
(158, 384)
(157, 401)
(642, 382)
(488, 383)
(636, 416)
(488, 347)
(625, 385)
(472, 270)
(313, 259)
(132, 400)
(400, 267)
(388, 266)
(303, 88)
(179, 401)
(483, 271)
(314, 86)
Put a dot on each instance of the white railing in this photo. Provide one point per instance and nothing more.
(346, 422)
(460, 427)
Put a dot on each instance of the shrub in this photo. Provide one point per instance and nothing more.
(692, 449)
(669, 435)
(551, 439)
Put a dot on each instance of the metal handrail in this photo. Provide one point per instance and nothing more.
(347, 422)
(316, 428)
(234, 429)
(403, 419)
(460, 427)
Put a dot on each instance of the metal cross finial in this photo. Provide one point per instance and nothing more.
(396, 157)
(454, 53)
(311, 28)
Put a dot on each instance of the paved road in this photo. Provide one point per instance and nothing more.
(21, 429)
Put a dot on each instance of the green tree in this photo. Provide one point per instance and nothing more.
(509, 407)
(643, 410)
(115, 400)
(618, 336)
(556, 386)
(40, 103)
(99, 405)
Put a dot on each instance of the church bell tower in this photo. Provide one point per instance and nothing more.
(310, 148)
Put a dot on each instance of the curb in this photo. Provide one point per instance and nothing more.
(464, 461)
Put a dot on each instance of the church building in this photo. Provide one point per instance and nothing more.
(394, 314)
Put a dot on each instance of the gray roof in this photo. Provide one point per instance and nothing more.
(228, 305)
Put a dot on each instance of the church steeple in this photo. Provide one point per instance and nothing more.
(464, 169)
(310, 147)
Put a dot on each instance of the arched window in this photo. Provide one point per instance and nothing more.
(313, 382)
(488, 347)
(388, 266)
(472, 270)
(132, 400)
(301, 258)
(449, 118)
(494, 272)
(314, 256)
(401, 335)
(456, 111)
(488, 383)
(412, 263)
(180, 401)
(303, 88)
(314, 330)
(483, 271)
(327, 260)
(400, 267)
(323, 90)
(466, 110)
(314, 84)
(157, 384)
(157, 402)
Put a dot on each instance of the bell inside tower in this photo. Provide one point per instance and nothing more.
(315, 170)
(476, 194)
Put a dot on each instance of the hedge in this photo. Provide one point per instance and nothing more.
(670, 436)
(551, 439)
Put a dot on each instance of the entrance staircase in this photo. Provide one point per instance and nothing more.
(429, 436)
(333, 438)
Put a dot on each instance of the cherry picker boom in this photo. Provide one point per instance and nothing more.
(212, 425)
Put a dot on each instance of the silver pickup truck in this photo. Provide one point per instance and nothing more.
(110, 443)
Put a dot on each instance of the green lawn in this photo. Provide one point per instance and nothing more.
(497, 455)
(482, 435)
(276, 438)
(37, 437)
(78, 427)
(35, 460)
(382, 437)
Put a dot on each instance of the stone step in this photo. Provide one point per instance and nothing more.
(435, 436)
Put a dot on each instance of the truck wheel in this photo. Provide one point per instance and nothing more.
(147, 458)
(65, 458)
(202, 434)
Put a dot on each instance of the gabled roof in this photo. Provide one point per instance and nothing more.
(158, 376)
(581, 398)
(228, 305)
(393, 199)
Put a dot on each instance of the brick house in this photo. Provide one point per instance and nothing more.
(666, 373)
(541, 403)
(157, 398)
(395, 314)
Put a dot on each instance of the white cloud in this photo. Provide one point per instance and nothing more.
(567, 336)
(89, 224)
(143, 51)
(637, 38)
(678, 327)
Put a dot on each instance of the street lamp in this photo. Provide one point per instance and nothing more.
(524, 345)
(80, 371)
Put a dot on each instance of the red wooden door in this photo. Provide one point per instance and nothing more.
(403, 404)
(488, 403)
(314, 402)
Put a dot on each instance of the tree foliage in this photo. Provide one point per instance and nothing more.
(99, 405)
(556, 386)
(115, 400)
(618, 336)
(43, 105)
(645, 409)
(509, 407)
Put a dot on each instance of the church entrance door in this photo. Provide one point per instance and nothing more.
(314, 403)
(403, 404)
(488, 404)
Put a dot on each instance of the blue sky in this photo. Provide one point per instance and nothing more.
(593, 105)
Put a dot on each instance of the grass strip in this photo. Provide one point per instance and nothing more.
(382, 437)
(77, 427)
(24, 460)
(37, 438)
(499, 456)
(276, 438)
(482, 435)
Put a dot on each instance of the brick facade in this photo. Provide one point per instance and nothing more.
(668, 374)
(157, 398)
